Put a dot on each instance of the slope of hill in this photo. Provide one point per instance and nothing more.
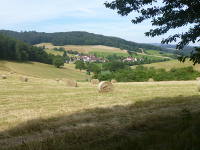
(85, 48)
(172, 64)
(40, 70)
(43, 114)
(102, 51)
(76, 38)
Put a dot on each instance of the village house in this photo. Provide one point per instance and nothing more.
(130, 59)
(90, 58)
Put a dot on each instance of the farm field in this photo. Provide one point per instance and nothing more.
(44, 114)
(172, 64)
(50, 51)
(85, 49)
(102, 51)
(41, 70)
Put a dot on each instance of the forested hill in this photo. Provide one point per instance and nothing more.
(76, 38)
(12, 49)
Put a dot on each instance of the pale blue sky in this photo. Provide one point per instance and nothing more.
(71, 15)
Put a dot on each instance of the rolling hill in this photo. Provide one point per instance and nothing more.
(102, 50)
(40, 70)
(42, 114)
(76, 38)
(85, 48)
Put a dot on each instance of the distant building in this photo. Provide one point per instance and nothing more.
(130, 59)
(90, 58)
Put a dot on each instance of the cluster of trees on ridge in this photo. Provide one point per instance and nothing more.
(12, 49)
(76, 38)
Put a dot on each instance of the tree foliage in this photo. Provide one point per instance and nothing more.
(93, 67)
(141, 74)
(165, 15)
(114, 66)
(11, 49)
(80, 65)
(58, 62)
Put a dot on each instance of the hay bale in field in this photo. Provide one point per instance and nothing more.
(58, 80)
(3, 77)
(198, 79)
(24, 79)
(12, 72)
(72, 83)
(95, 81)
(151, 80)
(113, 81)
(105, 86)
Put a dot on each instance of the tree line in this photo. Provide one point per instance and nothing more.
(12, 49)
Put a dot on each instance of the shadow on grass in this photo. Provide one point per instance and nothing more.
(158, 124)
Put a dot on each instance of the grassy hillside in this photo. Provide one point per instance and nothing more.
(51, 51)
(40, 70)
(102, 51)
(172, 64)
(44, 114)
(85, 49)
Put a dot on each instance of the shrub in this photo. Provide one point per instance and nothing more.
(58, 62)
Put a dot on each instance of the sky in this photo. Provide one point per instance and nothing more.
(71, 15)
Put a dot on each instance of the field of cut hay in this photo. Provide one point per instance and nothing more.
(45, 114)
(44, 71)
(85, 49)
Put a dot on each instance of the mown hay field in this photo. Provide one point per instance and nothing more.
(44, 71)
(85, 48)
(46, 114)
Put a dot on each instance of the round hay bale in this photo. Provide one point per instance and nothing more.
(3, 77)
(72, 83)
(12, 72)
(113, 81)
(57, 80)
(151, 80)
(198, 79)
(95, 81)
(24, 79)
(105, 86)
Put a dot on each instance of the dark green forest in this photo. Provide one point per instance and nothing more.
(76, 38)
(12, 49)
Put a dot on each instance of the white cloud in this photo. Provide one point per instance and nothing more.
(20, 11)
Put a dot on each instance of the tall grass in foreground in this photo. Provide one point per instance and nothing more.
(159, 124)
(43, 114)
